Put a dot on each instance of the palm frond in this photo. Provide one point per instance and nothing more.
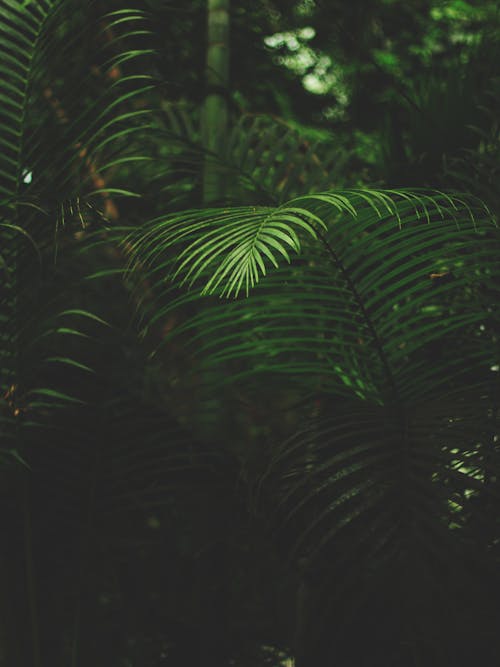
(50, 134)
(379, 306)
(94, 131)
(387, 498)
(383, 277)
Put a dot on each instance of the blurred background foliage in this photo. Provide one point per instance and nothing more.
(136, 529)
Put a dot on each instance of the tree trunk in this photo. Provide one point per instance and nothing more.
(215, 108)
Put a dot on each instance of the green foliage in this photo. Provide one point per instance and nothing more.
(291, 448)
(265, 160)
(385, 313)
(47, 135)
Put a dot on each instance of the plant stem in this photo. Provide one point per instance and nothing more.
(215, 108)
(376, 340)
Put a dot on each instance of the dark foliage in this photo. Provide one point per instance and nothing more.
(267, 430)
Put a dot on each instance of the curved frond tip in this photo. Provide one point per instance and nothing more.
(229, 250)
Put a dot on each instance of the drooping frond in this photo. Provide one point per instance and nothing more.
(250, 239)
(388, 500)
(378, 280)
(341, 466)
(63, 134)
(39, 108)
(381, 307)
(92, 117)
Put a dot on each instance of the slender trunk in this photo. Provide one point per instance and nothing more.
(214, 124)
(215, 108)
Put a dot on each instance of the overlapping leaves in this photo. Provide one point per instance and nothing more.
(265, 160)
(66, 130)
(363, 286)
(382, 307)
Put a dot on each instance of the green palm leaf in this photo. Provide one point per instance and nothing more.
(380, 279)
(366, 491)
(379, 304)
(51, 137)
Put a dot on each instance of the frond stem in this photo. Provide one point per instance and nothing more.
(376, 340)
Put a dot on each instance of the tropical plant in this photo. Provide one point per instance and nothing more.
(299, 450)
(61, 139)
(49, 134)
(386, 319)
